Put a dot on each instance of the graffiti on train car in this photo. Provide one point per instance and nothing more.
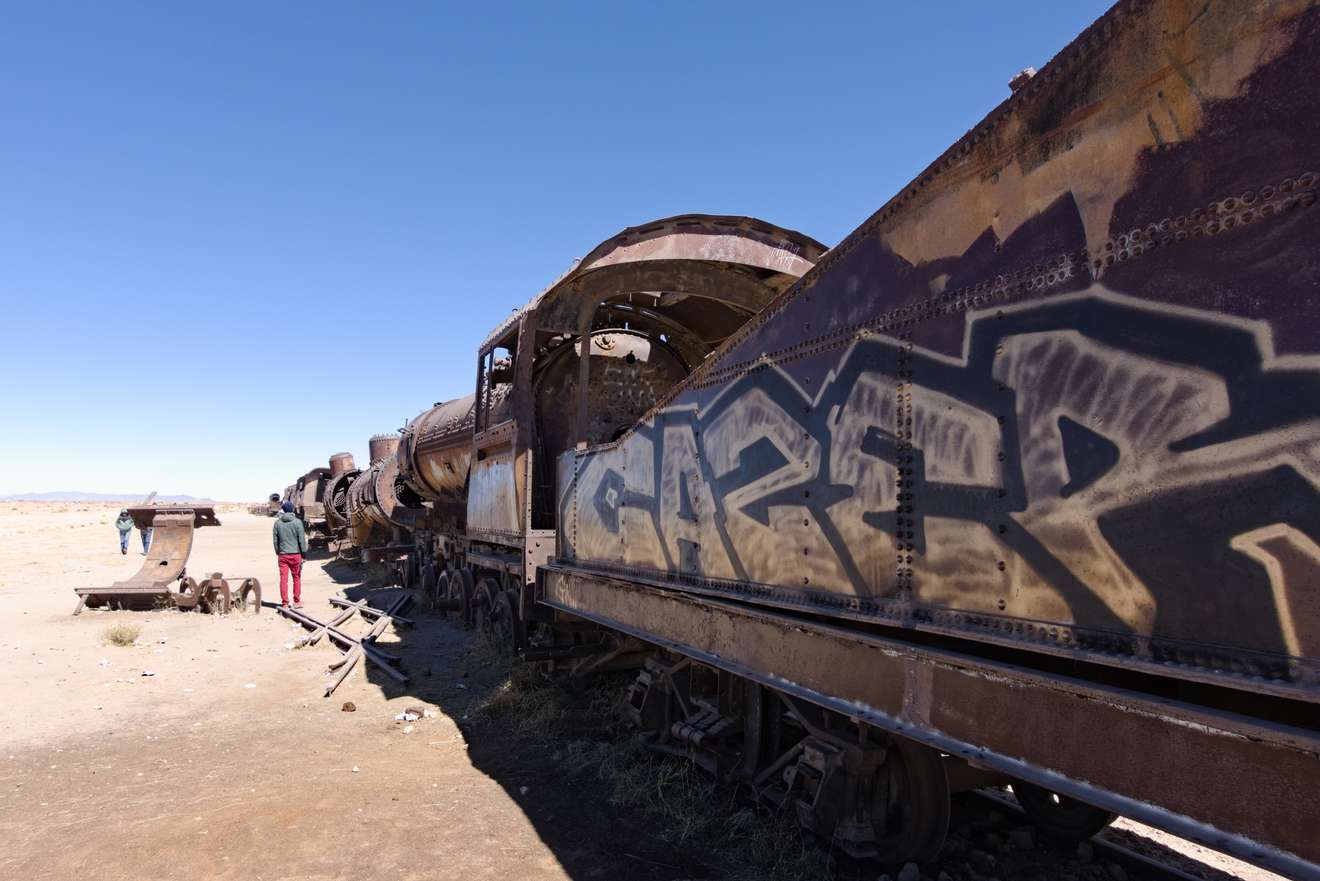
(1033, 477)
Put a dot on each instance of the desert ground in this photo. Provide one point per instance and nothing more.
(226, 762)
(205, 750)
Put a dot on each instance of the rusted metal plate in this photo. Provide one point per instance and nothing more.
(436, 450)
(360, 498)
(336, 499)
(149, 516)
(309, 495)
(375, 508)
(1234, 784)
(688, 254)
(382, 446)
(1061, 393)
(492, 496)
(171, 544)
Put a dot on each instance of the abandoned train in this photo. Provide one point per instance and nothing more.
(1015, 485)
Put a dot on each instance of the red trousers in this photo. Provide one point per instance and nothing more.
(290, 563)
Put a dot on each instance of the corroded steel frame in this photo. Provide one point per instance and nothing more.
(1061, 393)
(171, 544)
(741, 263)
(1070, 736)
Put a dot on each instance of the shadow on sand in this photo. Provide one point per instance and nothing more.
(552, 771)
(570, 810)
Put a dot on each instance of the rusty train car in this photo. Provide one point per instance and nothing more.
(1016, 485)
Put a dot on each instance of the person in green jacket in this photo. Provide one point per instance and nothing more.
(125, 526)
(290, 545)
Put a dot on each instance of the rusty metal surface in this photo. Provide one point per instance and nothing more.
(151, 516)
(1050, 730)
(629, 373)
(309, 494)
(336, 499)
(435, 450)
(341, 463)
(382, 446)
(1061, 393)
(215, 594)
(359, 497)
(703, 254)
(492, 500)
(166, 560)
(376, 501)
(672, 289)
(370, 501)
(392, 505)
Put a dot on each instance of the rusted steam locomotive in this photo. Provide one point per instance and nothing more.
(1016, 484)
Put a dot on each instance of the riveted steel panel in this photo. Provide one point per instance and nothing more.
(1062, 392)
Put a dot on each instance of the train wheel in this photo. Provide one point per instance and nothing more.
(428, 585)
(461, 588)
(483, 608)
(760, 729)
(456, 593)
(440, 594)
(911, 803)
(1059, 816)
(508, 626)
(188, 595)
(248, 596)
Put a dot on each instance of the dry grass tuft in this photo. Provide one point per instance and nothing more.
(695, 810)
(530, 705)
(121, 634)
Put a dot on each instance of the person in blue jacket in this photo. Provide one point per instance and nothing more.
(125, 526)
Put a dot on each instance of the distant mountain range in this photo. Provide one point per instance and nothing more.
(96, 497)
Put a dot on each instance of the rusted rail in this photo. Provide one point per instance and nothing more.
(354, 648)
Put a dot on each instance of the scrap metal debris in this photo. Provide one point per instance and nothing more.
(171, 544)
(352, 648)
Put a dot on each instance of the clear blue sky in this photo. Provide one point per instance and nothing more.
(238, 237)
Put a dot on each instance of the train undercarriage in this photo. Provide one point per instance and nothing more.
(868, 754)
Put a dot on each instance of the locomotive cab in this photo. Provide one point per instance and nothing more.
(600, 348)
(580, 365)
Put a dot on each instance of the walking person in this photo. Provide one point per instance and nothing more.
(290, 545)
(146, 540)
(125, 526)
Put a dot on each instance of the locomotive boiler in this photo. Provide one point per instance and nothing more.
(343, 470)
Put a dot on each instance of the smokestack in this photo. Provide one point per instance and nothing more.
(382, 446)
(341, 463)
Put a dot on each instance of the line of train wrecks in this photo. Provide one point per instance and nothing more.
(1015, 485)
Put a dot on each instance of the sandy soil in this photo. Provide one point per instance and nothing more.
(227, 763)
